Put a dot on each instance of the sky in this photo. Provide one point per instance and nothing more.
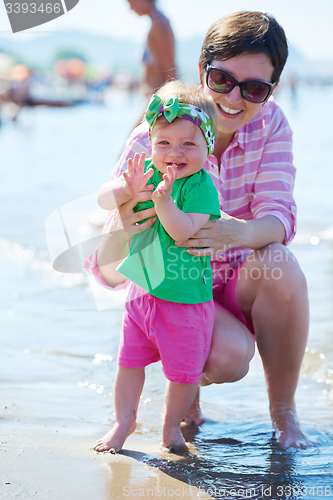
(307, 23)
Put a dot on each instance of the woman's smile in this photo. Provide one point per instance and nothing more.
(229, 111)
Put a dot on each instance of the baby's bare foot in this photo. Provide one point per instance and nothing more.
(173, 440)
(114, 440)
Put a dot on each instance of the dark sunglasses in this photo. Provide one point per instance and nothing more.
(221, 81)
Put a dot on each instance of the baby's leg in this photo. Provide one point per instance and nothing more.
(178, 399)
(127, 390)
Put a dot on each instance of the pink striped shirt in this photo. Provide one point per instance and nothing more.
(256, 177)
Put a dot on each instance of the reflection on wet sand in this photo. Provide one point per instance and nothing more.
(211, 470)
(128, 479)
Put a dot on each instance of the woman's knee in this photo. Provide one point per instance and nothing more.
(231, 351)
(286, 275)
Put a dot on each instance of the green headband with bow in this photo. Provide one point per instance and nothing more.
(172, 109)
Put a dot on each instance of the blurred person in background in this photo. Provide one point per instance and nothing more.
(159, 54)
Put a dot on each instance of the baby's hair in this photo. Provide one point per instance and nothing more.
(189, 93)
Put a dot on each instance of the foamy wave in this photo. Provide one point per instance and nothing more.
(30, 258)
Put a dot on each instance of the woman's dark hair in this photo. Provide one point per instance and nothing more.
(245, 33)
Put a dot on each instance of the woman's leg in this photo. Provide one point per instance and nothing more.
(178, 399)
(127, 390)
(231, 351)
(272, 288)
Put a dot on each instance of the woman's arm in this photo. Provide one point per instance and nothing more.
(228, 232)
(114, 246)
(271, 202)
(112, 251)
(138, 141)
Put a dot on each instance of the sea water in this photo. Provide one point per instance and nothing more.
(58, 354)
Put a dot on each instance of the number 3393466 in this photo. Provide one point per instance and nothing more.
(32, 8)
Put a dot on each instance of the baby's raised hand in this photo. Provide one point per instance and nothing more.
(136, 178)
(163, 191)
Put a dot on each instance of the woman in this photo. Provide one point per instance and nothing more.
(259, 287)
(159, 54)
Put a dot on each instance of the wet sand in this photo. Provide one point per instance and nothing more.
(59, 465)
(55, 461)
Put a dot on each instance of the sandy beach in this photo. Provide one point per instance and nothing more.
(52, 464)
(57, 462)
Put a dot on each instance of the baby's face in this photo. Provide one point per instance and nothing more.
(179, 143)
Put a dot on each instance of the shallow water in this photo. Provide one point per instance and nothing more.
(59, 353)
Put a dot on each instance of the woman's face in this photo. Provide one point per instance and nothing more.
(232, 110)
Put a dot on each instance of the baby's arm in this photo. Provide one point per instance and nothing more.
(115, 193)
(179, 225)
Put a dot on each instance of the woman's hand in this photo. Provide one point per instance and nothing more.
(130, 219)
(218, 235)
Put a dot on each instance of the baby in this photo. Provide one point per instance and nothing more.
(169, 313)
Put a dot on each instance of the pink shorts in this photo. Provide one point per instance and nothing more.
(224, 292)
(177, 334)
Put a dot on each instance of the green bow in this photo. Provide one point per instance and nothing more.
(169, 108)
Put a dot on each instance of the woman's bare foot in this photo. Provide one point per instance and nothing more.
(194, 415)
(114, 439)
(173, 440)
(288, 430)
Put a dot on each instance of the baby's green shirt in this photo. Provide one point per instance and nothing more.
(156, 264)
